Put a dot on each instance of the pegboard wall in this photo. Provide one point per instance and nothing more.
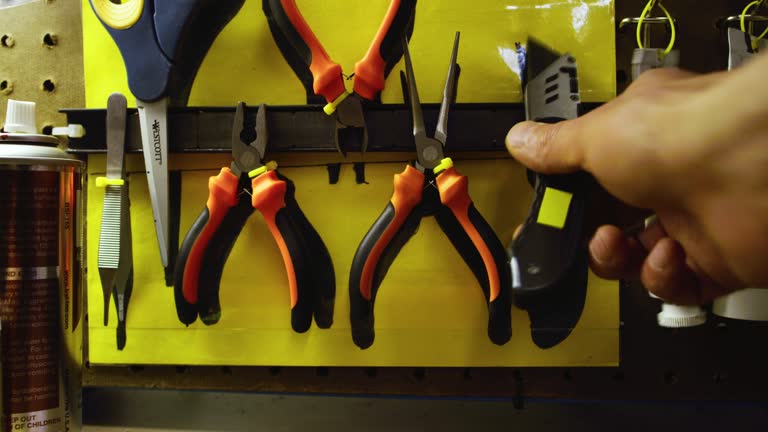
(41, 58)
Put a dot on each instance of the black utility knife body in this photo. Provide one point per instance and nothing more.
(549, 256)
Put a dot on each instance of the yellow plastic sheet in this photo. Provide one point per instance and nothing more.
(430, 310)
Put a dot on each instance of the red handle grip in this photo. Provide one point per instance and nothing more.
(454, 194)
(407, 194)
(371, 70)
(269, 198)
(327, 74)
(222, 196)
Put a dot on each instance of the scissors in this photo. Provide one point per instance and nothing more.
(163, 44)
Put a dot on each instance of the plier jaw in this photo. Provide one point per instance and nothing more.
(248, 158)
(350, 125)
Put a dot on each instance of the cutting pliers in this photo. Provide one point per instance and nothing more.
(163, 44)
(431, 187)
(246, 185)
(322, 76)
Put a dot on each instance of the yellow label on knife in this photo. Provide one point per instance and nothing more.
(554, 208)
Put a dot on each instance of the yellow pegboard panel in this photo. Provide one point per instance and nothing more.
(430, 311)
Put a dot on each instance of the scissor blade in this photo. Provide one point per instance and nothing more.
(441, 131)
(413, 93)
(153, 119)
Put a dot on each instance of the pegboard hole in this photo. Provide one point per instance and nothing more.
(49, 86)
(467, 374)
(274, 370)
(670, 378)
(47, 129)
(7, 41)
(419, 373)
(567, 375)
(719, 377)
(50, 40)
(4, 84)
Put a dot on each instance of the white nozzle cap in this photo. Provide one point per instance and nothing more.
(71, 131)
(20, 117)
(676, 316)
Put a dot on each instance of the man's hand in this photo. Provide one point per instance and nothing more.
(692, 148)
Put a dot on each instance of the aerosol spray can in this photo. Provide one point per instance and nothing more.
(40, 278)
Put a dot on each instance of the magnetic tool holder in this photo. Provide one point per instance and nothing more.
(305, 128)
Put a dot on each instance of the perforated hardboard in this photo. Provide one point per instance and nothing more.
(430, 311)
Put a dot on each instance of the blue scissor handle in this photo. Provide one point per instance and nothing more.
(163, 49)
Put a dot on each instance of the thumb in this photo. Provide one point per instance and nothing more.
(546, 148)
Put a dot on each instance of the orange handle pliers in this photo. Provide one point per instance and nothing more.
(238, 190)
(323, 76)
(432, 187)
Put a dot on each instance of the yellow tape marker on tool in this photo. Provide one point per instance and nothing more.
(554, 208)
(330, 107)
(443, 165)
(269, 166)
(104, 182)
(118, 16)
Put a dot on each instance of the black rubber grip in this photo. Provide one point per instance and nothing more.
(322, 278)
(499, 310)
(295, 51)
(301, 313)
(391, 48)
(361, 309)
(556, 312)
(215, 256)
(186, 311)
(544, 253)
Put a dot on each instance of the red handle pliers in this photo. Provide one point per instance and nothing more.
(248, 185)
(431, 188)
(309, 60)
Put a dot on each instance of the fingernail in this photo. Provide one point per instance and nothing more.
(517, 137)
(599, 250)
(660, 256)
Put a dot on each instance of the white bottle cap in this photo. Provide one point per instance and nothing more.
(676, 316)
(20, 117)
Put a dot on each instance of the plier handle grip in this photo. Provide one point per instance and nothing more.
(248, 185)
